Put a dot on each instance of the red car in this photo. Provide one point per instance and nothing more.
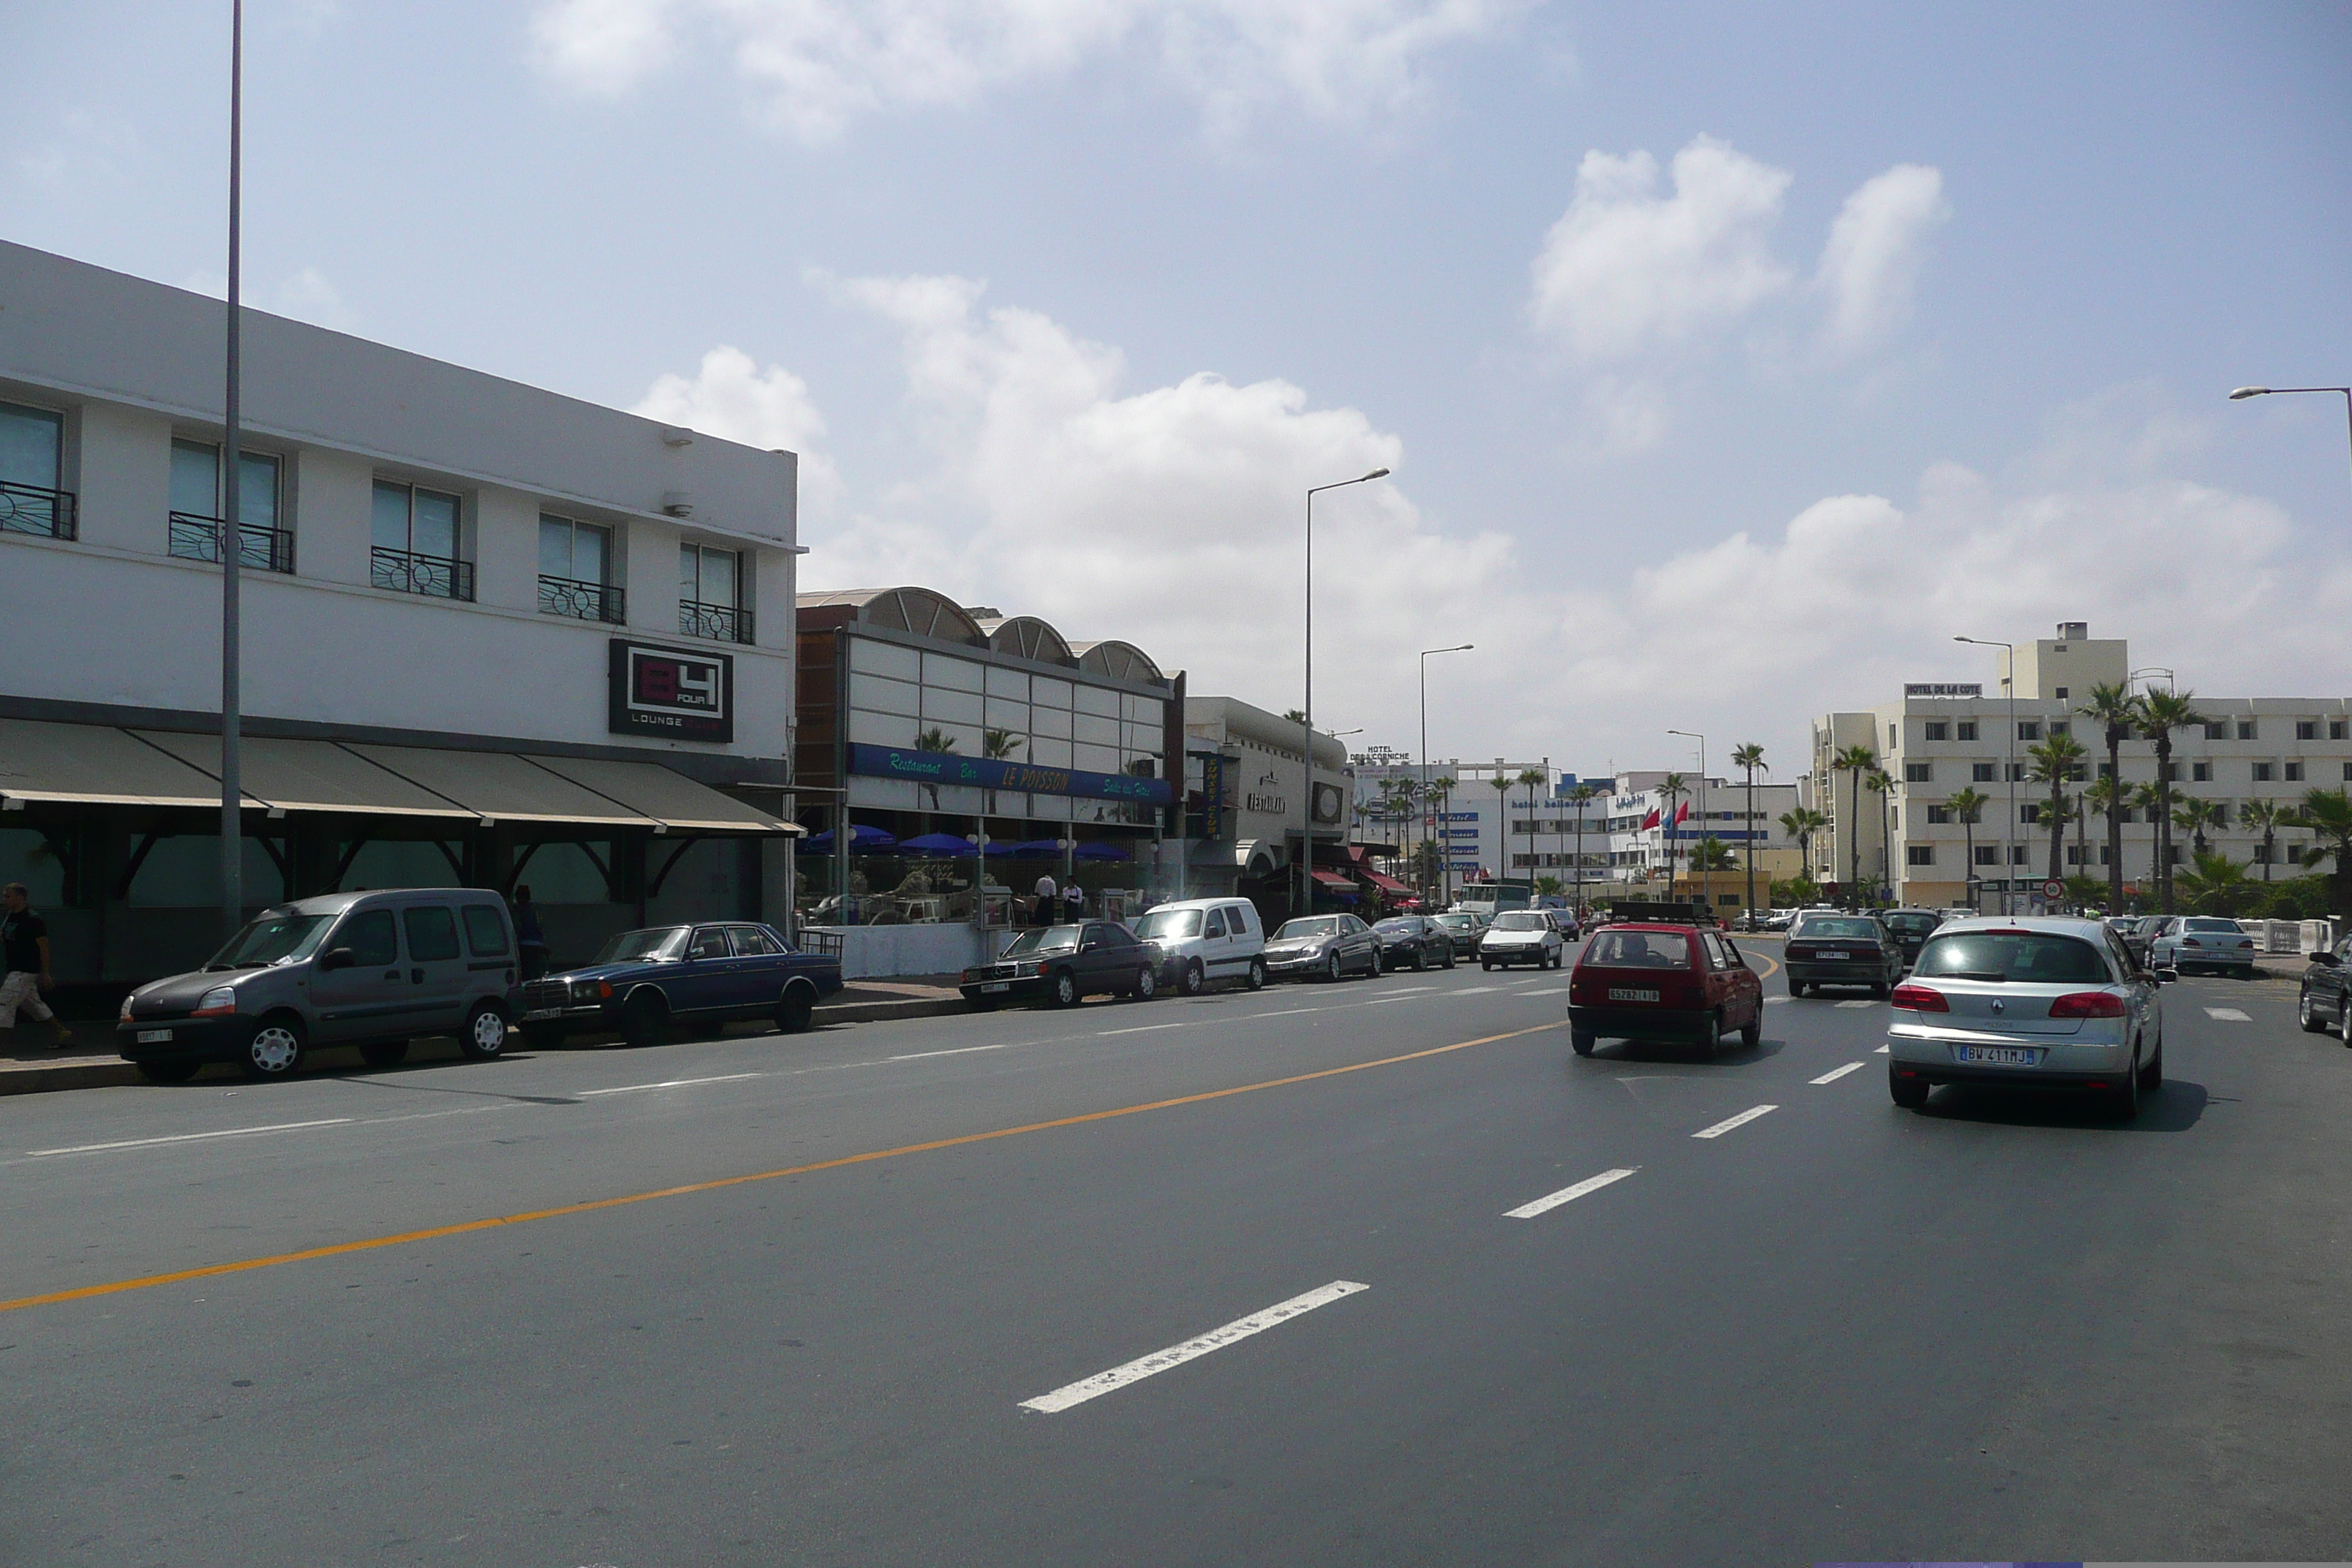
(1655, 980)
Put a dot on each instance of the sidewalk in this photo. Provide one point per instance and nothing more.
(28, 1067)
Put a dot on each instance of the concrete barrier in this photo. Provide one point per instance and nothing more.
(879, 953)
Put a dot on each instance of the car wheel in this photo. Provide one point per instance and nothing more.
(645, 1019)
(2125, 1100)
(1191, 981)
(2344, 1020)
(1380, 963)
(1879, 991)
(485, 1032)
(1331, 969)
(2151, 1074)
(1486, 965)
(796, 1012)
(2307, 1015)
(1420, 961)
(1066, 989)
(275, 1049)
(1257, 974)
(1449, 958)
(1710, 1039)
(179, 1071)
(384, 1053)
(1582, 1041)
(1909, 1093)
(1796, 988)
(1752, 1035)
(1147, 983)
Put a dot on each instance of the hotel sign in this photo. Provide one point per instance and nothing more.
(992, 773)
(1943, 689)
(654, 691)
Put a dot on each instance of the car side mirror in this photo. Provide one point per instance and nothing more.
(338, 958)
(2325, 959)
(2164, 976)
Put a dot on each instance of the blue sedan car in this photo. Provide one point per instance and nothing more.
(646, 983)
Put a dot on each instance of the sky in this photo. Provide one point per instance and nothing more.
(1729, 361)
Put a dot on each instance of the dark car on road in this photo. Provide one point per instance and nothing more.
(1912, 928)
(1063, 966)
(1681, 984)
(2325, 1002)
(1462, 930)
(1323, 945)
(1842, 950)
(1414, 940)
(647, 983)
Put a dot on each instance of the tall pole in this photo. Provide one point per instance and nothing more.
(2008, 680)
(1464, 648)
(2245, 392)
(232, 828)
(1690, 735)
(1306, 712)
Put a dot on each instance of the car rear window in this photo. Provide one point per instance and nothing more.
(2215, 925)
(2031, 958)
(1639, 950)
(1849, 930)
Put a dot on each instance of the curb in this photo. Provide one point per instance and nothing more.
(79, 1074)
(885, 1012)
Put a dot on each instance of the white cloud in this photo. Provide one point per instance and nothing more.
(1875, 251)
(81, 150)
(308, 296)
(1628, 270)
(814, 66)
(730, 397)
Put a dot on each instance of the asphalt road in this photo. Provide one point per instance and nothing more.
(2008, 1327)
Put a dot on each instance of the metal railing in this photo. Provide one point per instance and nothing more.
(581, 601)
(194, 537)
(715, 623)
(434, 576)
(28, 509)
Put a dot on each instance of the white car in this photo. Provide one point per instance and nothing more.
(2184, 942)
(1204, 940)
(2041, 1002)
(1522, 936)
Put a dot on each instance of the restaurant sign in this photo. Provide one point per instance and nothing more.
(666, 692)
(992, 773)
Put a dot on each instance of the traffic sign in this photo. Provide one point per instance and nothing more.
(2053, 888)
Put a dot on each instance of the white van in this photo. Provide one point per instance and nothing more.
(1201, 940)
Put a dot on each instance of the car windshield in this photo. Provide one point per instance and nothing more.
(1854, 930)
(2029, 958)
(634, 946)
(1640, 950)
(1319, 925)
(1168, 924)
(1456, 922)
(1043, 939)
(274, 938)
(1520, 920)
(2232, 926)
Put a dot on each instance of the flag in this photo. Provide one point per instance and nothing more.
(1650, 821)
(1682, 814)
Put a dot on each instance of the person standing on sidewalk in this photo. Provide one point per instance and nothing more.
(1042, 913)
(25, 958)
(530, 938)
(1074, 902)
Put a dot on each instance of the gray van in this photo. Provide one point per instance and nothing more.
(370, 970)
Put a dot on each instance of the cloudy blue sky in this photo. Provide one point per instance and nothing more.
(1730, 359)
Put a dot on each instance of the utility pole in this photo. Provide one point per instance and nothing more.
(232, 828)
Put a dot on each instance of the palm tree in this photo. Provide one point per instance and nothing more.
(2190, 816)
(2264, 816)
(2217, 885)
(1671, 786)
(1882, 785)
(2329, 813)
(1442, 789)
(2115, 711)
(2110, 798)
(1503, 783)
(1549, 886)
(1578, 797)
(1534, 779)
(1968, 805)
(2148, 800)
(1855, 761)
(1750, 759)
(1712, 855)
(1800, 824)
(2057, 761)
(2159, 712)
(999, 745)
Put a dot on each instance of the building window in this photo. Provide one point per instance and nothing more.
(1968, 730)
(1893, 738)
(2061, 694)
(2016, 773)
(2021, 855)
(2347, 772)
(1919, 855)
(414, 539)
(1937, 730)
(2295, 773)
(709, 585)
(2201, 773)
(576, 572)
(1988, 854)
(192, 528)
(2217, 731)
(2029, 812)
(2061, 726)
(32, 467)
(2306, 730)
(2246, 728)
(2029, 729)
(2336, 729)
(2175, 856)
(1938, 815)
(2172, 773)
(1918, 773)
(1984, 773)
(2262, 773)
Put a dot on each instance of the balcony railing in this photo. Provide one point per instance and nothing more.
(435, 577)
(197, 538)
(581, 601)
(28, 509)
(717, 622)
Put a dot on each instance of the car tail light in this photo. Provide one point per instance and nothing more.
(2191, 942)
(2088, 1005)
(1920, 999)
(2248, 942)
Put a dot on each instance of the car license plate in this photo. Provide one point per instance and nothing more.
(996, 985)
(1836, 955)
(153, 1037)
(533, 1018)
(1628, 994)
(2002, 1056)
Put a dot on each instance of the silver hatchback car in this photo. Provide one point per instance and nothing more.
(2041, 1002)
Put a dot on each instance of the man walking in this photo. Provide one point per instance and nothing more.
(25, 957)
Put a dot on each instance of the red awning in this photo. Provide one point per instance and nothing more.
(1385, 884)
(1335, 881)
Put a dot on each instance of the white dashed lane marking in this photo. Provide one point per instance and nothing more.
(1547, 990)
(672, 1083)
(1742, 1120)
(1857, 1003)
(2228, 1015)
(1879, 1052)
(1569, 1195)
(1216, 1338)
(1836, 1073)
(190, 1137)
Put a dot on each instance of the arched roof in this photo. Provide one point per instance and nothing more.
(922, 611)
(1119, 660)
(1027, 637)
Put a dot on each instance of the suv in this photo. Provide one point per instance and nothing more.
(1658, 982)
(371, 969)
(1201, 940)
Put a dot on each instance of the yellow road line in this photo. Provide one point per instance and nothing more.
(148, 1282)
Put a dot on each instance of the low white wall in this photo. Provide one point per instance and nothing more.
(879, 953)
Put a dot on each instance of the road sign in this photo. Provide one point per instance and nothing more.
(2053, 888)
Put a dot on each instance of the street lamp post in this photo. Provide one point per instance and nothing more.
(1306, 713)
(1463, 647)
(2245, 392)
(231, 831)
(1689, 735)
(2008, 680)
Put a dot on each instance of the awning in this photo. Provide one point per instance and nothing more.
(96, 765)
(1386, 884)
(669, 798)
(308, 776)
(1336, 883)
(500, 786)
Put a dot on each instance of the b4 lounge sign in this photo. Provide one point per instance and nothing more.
(991, 773)
(666, 692)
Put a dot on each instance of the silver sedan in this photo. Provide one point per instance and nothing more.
(2042, 1002)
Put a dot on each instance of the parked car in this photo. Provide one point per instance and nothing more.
(1522, 936)
(2187, 943)
(2327, 995)
(1660, 982)
(1841, 950)
(647, 983)
(1061, 966)
(2041, 1001)
(1327, 945)
(372, 969)
(1462, 930)
(1413, 939)
(1911, 928)
(1203, 940)
(2132, 931)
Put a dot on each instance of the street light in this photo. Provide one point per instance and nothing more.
(1306, 713)
(1688, 735)
(232, 542)
(2245, 392)
(2009, 871)
(1425, 652)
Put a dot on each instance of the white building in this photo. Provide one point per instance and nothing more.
(490, 631)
